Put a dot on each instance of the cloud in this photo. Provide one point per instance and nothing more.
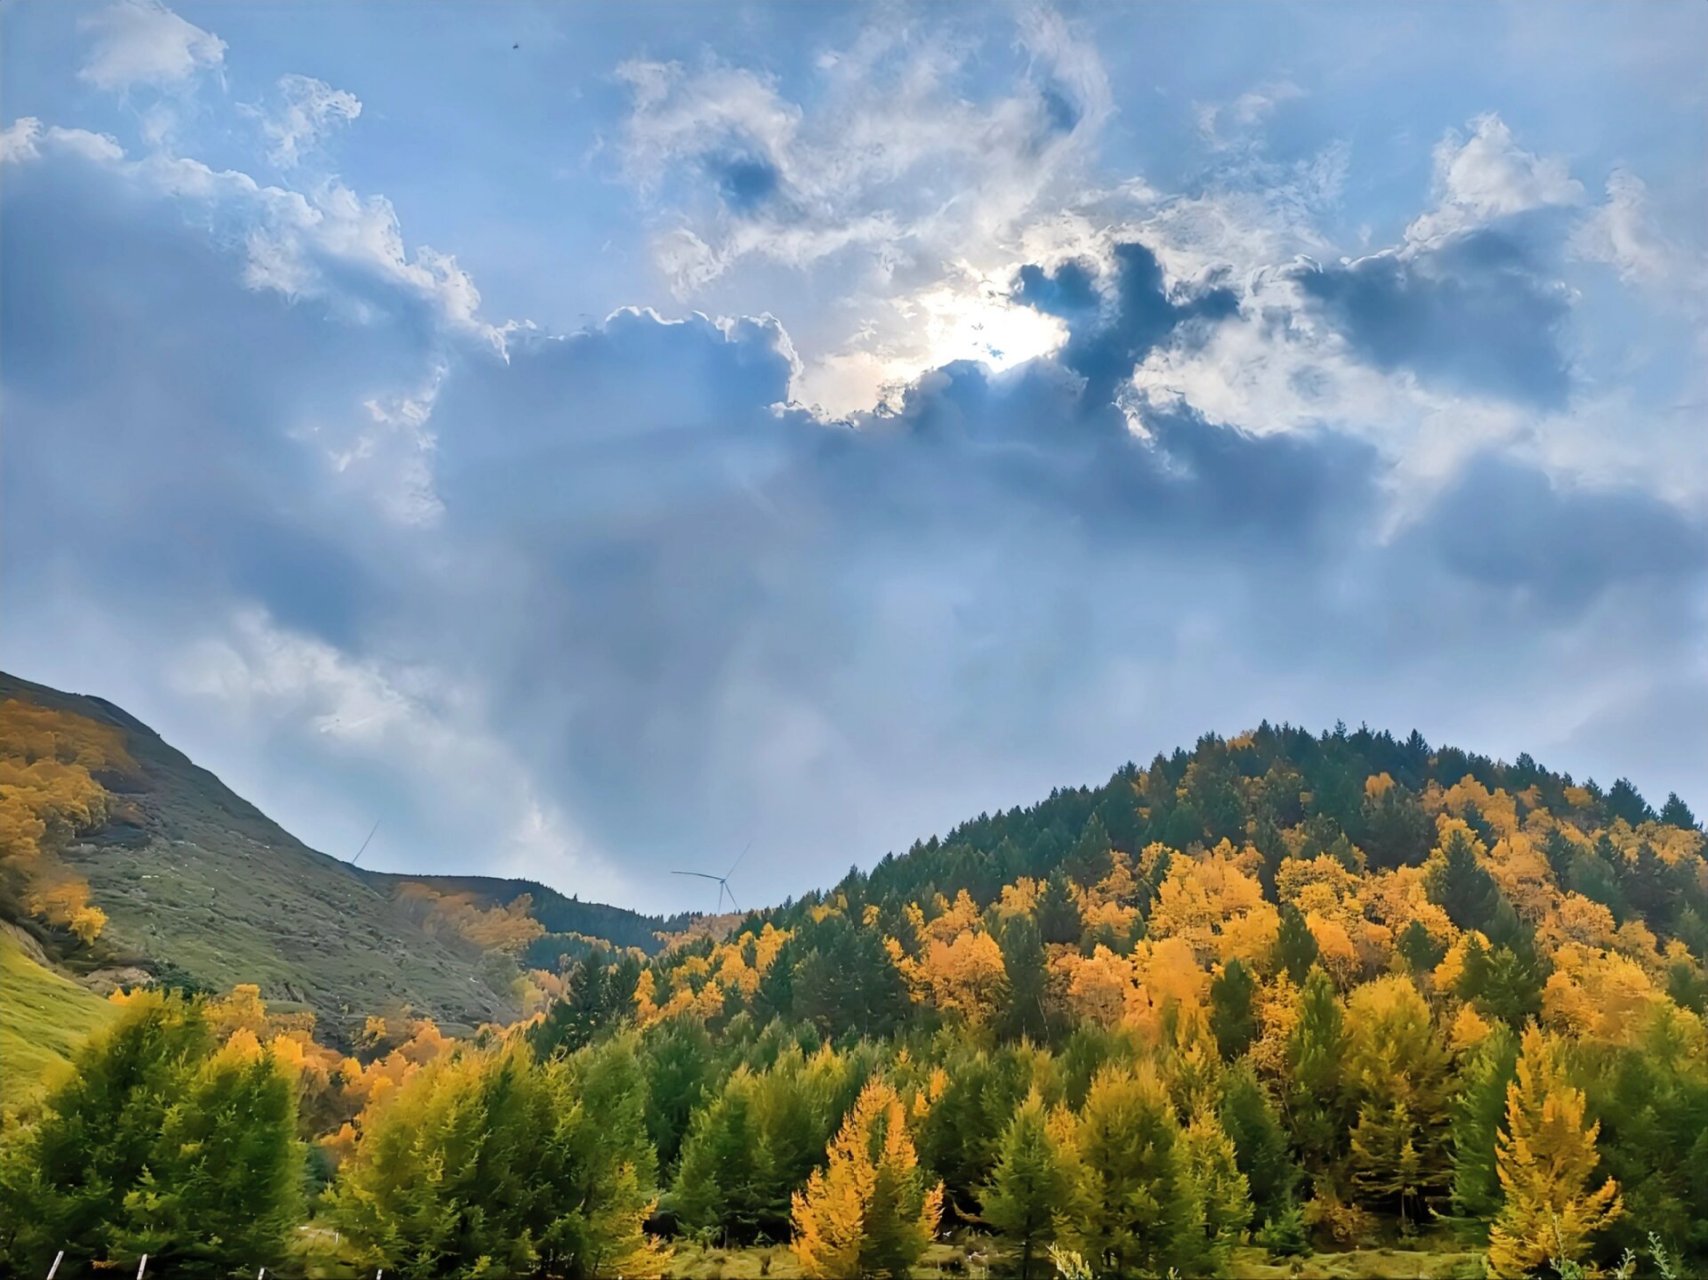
(1474, 314)
(1487, 176)
(308, 111)
(142, 42)
(888, 160)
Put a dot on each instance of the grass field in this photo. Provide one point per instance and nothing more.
(43, 1018)
(1435, 1258)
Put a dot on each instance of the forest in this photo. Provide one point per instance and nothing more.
(1281, 998)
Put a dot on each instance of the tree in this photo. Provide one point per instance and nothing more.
(489, 1162)
(869, 1212)
(1222, 1193)
(1396, 1072)
(1675, 813)
(1260, 1142)
(1487, 1070)
(1295, 944)
(163, 1142)
(1233, 1013)
(724, 1181)
(1023, 961)
(1142, 1211)
(1058, 914)
(1315, 1052)
(1033, 1184)
(1089, 861)
(1545, 1157)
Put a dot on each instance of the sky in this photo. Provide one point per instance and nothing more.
(593, 440)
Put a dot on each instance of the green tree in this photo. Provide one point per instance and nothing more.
(724, 1182)
(1233, 1012)
(1396, 1072)
(1141, 1207)
(1033, 1184)
(1295, 945)
(161, 1141)
(1221, 1191)
(1260, 1142)
(489, 1162)
(1058, 914)
(1316, 1106)
(1022, 1015)
(1478, 1106)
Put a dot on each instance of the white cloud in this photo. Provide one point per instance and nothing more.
(890, 158)
(314, 243)
(1622, 233)
(1487, 176)
(1222, 123)
(142, 42)
(413, 723)
(308, 111)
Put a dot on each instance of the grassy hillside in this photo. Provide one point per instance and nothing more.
(43, 1017)
(201, 888)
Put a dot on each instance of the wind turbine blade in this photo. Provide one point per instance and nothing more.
(737, 862)
(364, 848)
(701, 874)
(732, 901)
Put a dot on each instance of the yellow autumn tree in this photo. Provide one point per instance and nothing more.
(1545, 1157)
(869, 1211)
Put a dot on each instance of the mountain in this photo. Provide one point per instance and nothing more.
(201, 888)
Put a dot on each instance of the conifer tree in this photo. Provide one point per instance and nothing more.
(160, 1142)
(1058, 914)
(1396, 1071)
(1477, 1112)
(1220, 1189)
(724, 1180)
(1233, 1015)
(1260, 1142)
(1295, 946)
(487, 1162)
(1142, 1211)
(1315, 1056)
(869, 1212)
(1033, 1184)
(1545, 1158)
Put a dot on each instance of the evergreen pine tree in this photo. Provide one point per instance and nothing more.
(1477, 1110)
(1142, 1210)
(1233, 1013)
(1032, 1186)
(1260, 1142)
(1295, 946)
(1316, 1053)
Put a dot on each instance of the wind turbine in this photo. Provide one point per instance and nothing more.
(723, 880)
(364, 848)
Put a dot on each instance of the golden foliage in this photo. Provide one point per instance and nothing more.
(869, 1196)
(1545, 1156)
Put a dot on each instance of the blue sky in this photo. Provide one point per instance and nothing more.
(589, 439)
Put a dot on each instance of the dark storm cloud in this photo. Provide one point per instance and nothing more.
(1476, 315)
(1509, 528)
(1110, 334)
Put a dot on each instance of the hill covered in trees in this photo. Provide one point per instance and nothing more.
(1280, 994)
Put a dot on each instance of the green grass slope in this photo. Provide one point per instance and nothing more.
(43, 1018)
